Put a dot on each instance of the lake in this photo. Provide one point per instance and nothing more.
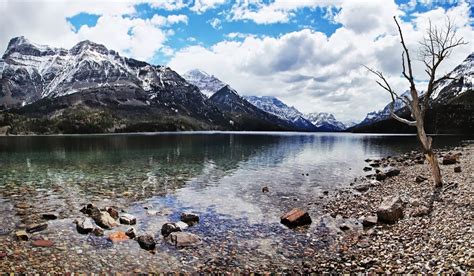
(156, 177)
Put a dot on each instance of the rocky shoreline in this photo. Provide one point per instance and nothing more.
(440, 241)
(383, 222)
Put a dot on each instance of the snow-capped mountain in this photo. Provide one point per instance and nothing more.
(208, 84)
(230, 102)
(276, 107)
(450, 106)
(384, 114)
(90, 74)
(325, 121)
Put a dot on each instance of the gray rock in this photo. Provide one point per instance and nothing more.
(391, 172)
(369, 221)
(50, 216)
(131, 233)
(128, 219)
(364, 187)
(146, 242)
(84, 225)
(390, 210)
(105, 221)
(182, 239)
(169, 228)
(21, 235)
(98, 231)
(189, 218)
(36, 227)
(182, 225)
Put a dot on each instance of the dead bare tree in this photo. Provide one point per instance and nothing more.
(435, 47)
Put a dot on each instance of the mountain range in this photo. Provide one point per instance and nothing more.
(451, 107)
(90, 88)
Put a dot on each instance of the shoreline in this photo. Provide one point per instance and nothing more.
(439, 242)
(336, 241)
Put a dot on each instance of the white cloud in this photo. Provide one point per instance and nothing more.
(278, 11)
(215, 23)
(201, 6)
(179, 18)
(130, 35)
(316, 72)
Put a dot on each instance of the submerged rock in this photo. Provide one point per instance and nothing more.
(128, 219)
(182, 239)
(295, 217)
(131, 233)
(146, 242)
(457, 169)
(105, 221)
(84, 225)
(42, 243)
(21, 235)
(265, 189)
(118, 236)
(169, 228)
(113, 212)
(50, 216)
(98, 231)
(182, 225)
(36, 227)
(189, 218)
(390, 210)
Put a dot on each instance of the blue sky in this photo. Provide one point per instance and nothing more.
(308, 53)
(199, 30)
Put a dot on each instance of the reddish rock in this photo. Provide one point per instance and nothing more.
(113, 212)
(295, 217)
(118, 236)
(42, 243)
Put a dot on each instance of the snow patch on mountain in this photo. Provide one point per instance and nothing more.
(326, 121)
(207, 83)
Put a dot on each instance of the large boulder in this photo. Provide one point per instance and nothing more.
(146, 242)
(390, 210)
(182, 239)
(295, 217)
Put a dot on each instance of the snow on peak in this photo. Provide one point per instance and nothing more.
(207, 83)
(326, 120)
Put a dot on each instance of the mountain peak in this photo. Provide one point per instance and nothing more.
(89, 45)
(325, 120)
(22, 45)
(207, 83)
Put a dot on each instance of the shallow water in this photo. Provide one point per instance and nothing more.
(216, 175)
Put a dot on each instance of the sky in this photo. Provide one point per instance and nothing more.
(308, 53)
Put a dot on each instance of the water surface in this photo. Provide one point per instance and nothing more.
(217, 175)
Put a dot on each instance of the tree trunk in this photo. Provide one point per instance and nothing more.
(429, 155)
